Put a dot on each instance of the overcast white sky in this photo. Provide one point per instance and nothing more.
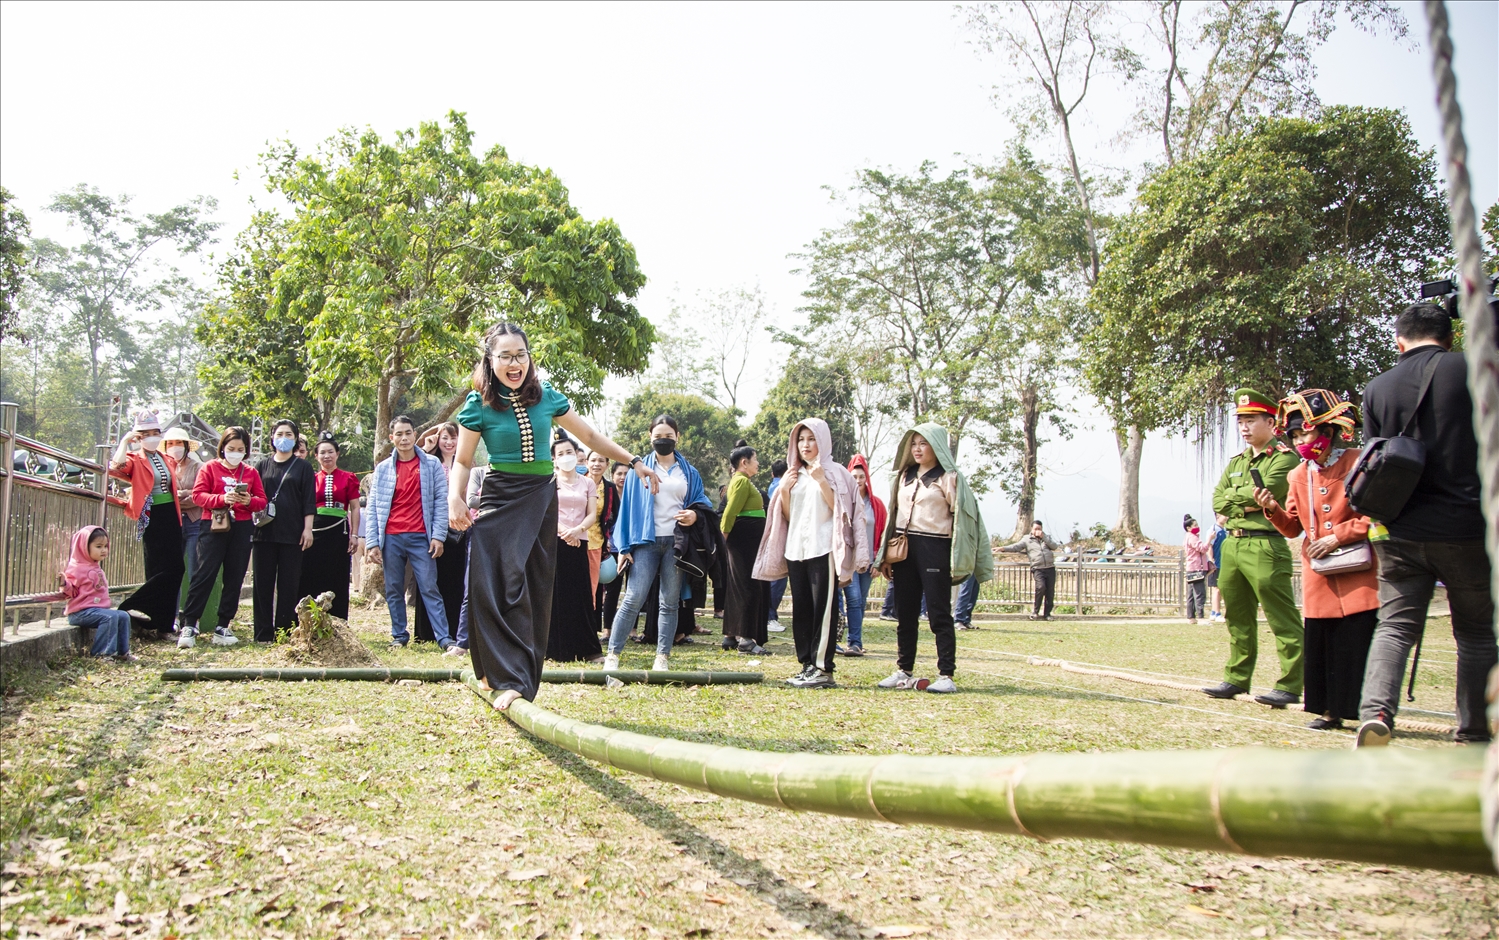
(708, 132)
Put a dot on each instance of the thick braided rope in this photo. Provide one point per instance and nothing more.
(1066, 666)
(1478, 337)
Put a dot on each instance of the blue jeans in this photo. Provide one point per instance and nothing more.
(190, 532)
(411, 548)
(777, 591)
(851, 599)
(111, 629)
(648, 559)
(462, 638)
(968, 597)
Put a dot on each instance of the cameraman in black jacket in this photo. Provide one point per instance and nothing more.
(1439, 535)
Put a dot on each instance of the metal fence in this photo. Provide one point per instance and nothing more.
(1090, 583)
(42, 505)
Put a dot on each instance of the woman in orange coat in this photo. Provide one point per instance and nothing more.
(153, 504)
(1340, 609)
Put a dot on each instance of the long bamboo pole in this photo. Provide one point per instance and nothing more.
(1384, 805)
(394, 673)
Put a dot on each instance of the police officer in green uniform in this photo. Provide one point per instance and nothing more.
(1256, 568)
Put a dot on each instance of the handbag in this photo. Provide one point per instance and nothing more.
(219, 520)
(1194, 576)
(1345, 559)
(1389, 468)
(264, 517)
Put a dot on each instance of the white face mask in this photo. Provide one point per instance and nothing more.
(567, 463)
(233, 457)
(152, 442)
(177, 451)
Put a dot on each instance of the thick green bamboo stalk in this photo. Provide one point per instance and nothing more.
(393, 673)
(1379, 805)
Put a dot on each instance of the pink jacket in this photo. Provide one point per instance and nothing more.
(1199, 553)
(851, 549)
(83, 582)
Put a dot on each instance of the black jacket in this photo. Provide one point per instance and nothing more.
(700, 547)
(1444, 507)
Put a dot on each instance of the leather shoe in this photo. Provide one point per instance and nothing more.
(1325, 724)
(1224, 690)
(1275, 698)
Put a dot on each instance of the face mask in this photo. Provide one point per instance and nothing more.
(152, 442)
(663, 445)
(1316, 450)
(284, 444)
(233, 457)
(567, 463)
(1196, 530)
(177, 453)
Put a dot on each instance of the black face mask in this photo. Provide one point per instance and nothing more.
(663, 445)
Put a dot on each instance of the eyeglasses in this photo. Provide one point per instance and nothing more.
(517, 359)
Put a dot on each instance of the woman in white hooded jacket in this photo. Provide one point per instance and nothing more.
(814, 535)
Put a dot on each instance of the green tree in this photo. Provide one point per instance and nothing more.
(1209, 72)
(14, 230)
(707, 430)
(398, 254)
(807, 389)
(1275, 259)
(92, 289)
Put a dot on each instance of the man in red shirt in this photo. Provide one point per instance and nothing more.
(408, 524)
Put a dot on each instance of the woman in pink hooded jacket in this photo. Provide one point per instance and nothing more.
(814, 535)
(87, 591)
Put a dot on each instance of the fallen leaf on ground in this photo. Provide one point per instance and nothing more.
(1202, 911)
(715, 899)
(526, 875)
(122, 904)
(895, 930)
(189, 901)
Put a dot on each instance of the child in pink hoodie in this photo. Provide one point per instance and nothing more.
(84, 585)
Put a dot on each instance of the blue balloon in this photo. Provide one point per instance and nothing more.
(608, 569)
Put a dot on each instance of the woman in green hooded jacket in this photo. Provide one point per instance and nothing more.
(936, 516)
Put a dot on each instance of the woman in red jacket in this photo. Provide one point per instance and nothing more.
(231, 492)
(1340, 605)
(152, 503)
(855, 594)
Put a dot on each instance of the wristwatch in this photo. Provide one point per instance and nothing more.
(636, 459)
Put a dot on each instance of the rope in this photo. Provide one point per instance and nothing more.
(1478, 338)
(1066, 666)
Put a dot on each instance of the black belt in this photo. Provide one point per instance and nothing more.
(1251, 533)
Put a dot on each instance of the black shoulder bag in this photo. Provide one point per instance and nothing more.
(1389, 468)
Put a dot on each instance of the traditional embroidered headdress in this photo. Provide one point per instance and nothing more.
(1313, 407)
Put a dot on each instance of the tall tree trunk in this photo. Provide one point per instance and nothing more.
(384, 411)
(1030, 419)
(1130, 443)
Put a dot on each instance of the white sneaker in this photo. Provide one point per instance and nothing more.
(186, 639)
(943, 684)
(661, 664)
(454, 650)
(774, 626)
(611, 663)
(139, 615)
(222, 637)
(897, 680)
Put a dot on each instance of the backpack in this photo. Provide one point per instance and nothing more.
(1388, 468)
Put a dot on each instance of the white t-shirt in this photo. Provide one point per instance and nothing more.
(671, 493)
(810, 531)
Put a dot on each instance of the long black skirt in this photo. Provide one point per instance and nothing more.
(512, 564)
(451, 565)
(746, 610)
(326, 565)
(1336, 652)
(162, 545)
(572, 636)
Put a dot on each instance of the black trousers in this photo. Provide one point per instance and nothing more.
(230, 551)
(1336, 652)
(162, 544)
(278, 574)
(926, 573)
(814, 617)
(1046, 589)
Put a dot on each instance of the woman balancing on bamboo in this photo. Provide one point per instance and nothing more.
(513, 543)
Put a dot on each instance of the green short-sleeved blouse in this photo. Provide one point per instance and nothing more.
(519, 440)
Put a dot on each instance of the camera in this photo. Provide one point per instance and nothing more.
(1446, 289)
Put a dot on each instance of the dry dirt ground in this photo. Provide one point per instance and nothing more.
(134, 807)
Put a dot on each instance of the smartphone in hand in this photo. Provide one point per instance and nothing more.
(1254, 474)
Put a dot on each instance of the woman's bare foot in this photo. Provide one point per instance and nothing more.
(503, 700)
(484, 684)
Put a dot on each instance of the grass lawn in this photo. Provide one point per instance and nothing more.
(136, 807)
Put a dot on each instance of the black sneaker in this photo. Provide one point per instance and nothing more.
(1277, 698)
(728, 644)
(797, 680)
(817, 679)
(1325, 724)
(1224, 690)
